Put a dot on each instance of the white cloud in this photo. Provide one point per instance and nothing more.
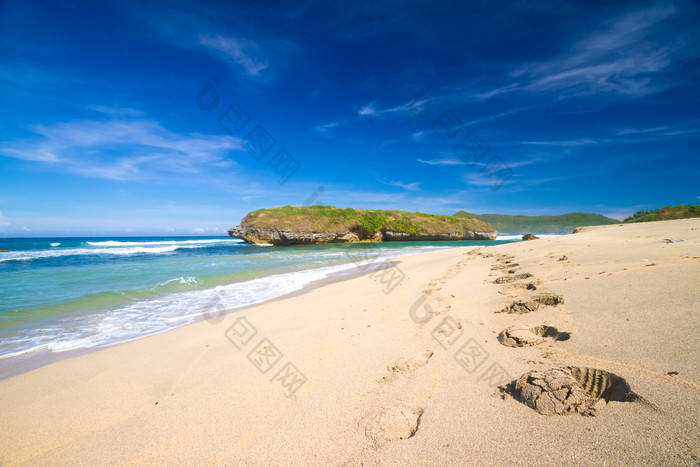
(486, 161)
(679, 129)
(414, 186)
(367, 110)
(510, 184)
(326, 129)
(630, 55)
(121, 149)
(116, 111)
(441, 162)
(199, 231)
(565, 143)
(169, 229)
(619, 58)
(371, 110)
(239, 51)
(3, 222)
(26, 229)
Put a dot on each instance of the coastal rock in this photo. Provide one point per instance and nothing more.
(530, 237)
(282, 236)
(315, 224)
(276, 236)
(4, 251)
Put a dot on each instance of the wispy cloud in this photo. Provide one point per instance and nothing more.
(414, 186)
(621, 58)
(3, 221)
(483, 163)
(121, 149)
(441, 161)
(117, 111)
(628, 56)
(501, 114)
(326, 129)
(678, 129)
(564, 143)
(418, 136)
(373, 111)
(512, 185)
(242, 52)
(688, 129)
(208, 27)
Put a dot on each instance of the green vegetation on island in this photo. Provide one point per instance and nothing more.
(329, 218)
(516, 225)
(681, 211)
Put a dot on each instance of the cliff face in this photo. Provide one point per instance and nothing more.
(284, 236)
(295, 226)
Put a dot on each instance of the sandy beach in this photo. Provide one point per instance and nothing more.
(370, 371)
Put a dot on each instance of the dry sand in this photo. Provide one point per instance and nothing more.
(383, 387)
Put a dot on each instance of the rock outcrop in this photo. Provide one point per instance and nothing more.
(530, 237)
(290, 225)
(282, 236)
(285, 236)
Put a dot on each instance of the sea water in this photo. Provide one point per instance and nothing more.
(61, 294)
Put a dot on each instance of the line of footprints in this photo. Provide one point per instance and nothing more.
(554, 391)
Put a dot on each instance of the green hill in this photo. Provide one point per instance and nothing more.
(682, 211)
(564, 223)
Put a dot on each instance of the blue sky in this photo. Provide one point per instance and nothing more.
(178, 118)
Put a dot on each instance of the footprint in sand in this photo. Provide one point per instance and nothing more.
(410, 364)
(573, 389)
(512, 278)
(526, 337)
(508, 265)
(393, 423)
(528, 286)
(505, 258)
(528, 306)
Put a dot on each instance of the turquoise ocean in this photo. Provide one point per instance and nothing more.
(67, 294)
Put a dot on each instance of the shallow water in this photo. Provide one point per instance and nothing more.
(60, 294)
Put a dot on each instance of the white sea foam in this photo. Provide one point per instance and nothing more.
(519, 237)
(55, 244)
(38, 254)
(118, 248)
(147, 317)
(180, 280)
(112, 243)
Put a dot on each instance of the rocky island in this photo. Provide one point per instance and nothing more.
(326, 224)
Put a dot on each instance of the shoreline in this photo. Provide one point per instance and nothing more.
(378, 385)
(17, 365)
